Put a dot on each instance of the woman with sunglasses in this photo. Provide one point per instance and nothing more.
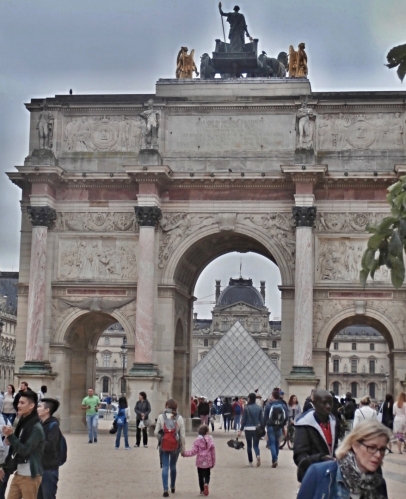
(356, 472)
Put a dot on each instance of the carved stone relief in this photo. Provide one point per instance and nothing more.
(90, 258)
(340, 260)
(95, 222)
(324, 310)
(101, 133)
(347, 222)
(378, 131)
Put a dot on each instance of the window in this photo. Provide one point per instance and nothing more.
(225, 326)
(335, 345)
(354, 389)
(336, 365)
(107, 340)
(336, 388)
(354, 366)
(105, 384)
(372, 367)
(206, 343)
(372, 347)
(256, 326)
(354, 346)
(274, 360)
(372, 389)
(274, 344)
(106, 360)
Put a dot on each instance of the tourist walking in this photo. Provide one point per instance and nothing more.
(357, 470)
(203, 449)
(294, 407)
(237, 411)
(364, 411)
(399, 422)
(23, 388)
(226, 413)
(252, 418)
(309, 401)
(275, 419)
(122, 419)
(26, 450)
(107, 399)
(142, 410)
(9, 413)
(91, 404)
(203, 410)
(387, 414)
(51, 456)
(4, 474)
(349, 408)
(42, 393)
(315, 434)
(212, 415)
(192, 407)
(170, 431)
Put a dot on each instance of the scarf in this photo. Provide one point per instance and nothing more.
(365, 484)
(22, 432)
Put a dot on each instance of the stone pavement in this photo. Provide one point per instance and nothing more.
(100, 472)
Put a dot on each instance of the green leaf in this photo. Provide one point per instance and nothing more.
(402, 70)
(363, 276)
(402, 228)
(383, 253)
(386, 223)
(395, 245)
(371, 228)
(368, 259)
(395, 263)
(397, 277)
(375, 241)
(396, 54)
(395, 188)
(374, 268)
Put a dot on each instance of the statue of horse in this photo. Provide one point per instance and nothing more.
(271, 67)
(207, 71)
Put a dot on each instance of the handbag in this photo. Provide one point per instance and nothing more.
(259, 429)
(114, 428)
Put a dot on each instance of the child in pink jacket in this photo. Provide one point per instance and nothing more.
(203, 449)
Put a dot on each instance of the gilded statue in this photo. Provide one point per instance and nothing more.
(298, 62)
(185, 64)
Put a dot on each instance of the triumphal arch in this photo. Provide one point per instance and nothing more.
(126, 198)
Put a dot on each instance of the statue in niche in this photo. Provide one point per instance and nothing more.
(45, 127)
(151, 118)
(185, 64)
(345, 368)
(305, 126)
(84, 135)
(298, 62)
(238, 29)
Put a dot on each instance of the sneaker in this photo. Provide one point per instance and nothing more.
(116, 448)
(258, 461)
(95, 440)
(173, 490)
(90, 442)
(274, 464)
(145, 446)
(166, 494)
(250, 465)
(136, 445)
(128, 448)
(206, 489)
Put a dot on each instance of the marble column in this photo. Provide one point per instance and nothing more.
(147, 218)
(304, 275)
(41, 218)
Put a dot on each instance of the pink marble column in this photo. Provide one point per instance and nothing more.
(147, 218)
(41, 218)
(304, 275)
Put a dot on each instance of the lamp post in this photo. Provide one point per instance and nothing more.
(124, 351)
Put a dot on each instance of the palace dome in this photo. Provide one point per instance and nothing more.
(240, 290)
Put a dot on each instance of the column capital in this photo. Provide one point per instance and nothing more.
(304, 216)
(148, 216)
(41, 216)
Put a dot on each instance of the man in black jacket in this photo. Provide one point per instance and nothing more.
(23, 388)
(309, 401)
(315, 434)
(50, 459)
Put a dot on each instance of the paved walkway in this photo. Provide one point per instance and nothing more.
(100, 472)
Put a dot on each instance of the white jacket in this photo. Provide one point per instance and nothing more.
(3, 447)
(364, 413)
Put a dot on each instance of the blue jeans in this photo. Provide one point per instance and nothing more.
(92, 421)
(252, 441)
(169, 460)
(125, 433)
(49, 484)
(274, 435)
(227, 421)
(237, 422)
(9, 417)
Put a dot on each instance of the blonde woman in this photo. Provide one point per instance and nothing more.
(356, 471)
(399, 423)
(364, 412)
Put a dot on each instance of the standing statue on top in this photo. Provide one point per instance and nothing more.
(238, 29)
(151, 118)
(305, 126)
(45, 127)
(185, 64)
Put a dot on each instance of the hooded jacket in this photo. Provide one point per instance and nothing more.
(310, 444)
(203, 449)
(50, 457)
(142, 407)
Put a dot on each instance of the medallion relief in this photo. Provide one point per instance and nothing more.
(90, 258)
(378, 131)
(347, 222)
(95, 222)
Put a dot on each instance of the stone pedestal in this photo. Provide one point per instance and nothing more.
(149, 157)
(41, 157)
(41, 218)
(304, 157)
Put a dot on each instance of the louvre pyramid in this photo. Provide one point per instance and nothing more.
(235, 366)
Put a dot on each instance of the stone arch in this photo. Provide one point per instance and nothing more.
(180, 371)
(209, 243)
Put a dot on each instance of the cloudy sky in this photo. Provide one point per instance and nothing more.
(100, 46)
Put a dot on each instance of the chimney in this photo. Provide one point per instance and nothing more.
(194, 316)
(217, 290)
(263, 289)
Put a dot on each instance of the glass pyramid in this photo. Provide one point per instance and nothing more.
(235, 366)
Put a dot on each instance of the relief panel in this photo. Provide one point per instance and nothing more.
(97, 259)
(347, 222)
(95, 222)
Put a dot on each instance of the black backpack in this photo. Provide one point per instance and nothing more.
(349, 409)
(63, 447)
(277, 415)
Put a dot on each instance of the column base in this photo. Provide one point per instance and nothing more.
(35, 367)
(149, 157)
(302, 372)
(144, 370)
(301, 381)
